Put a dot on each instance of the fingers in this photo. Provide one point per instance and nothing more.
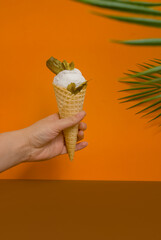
(82, 126)
(62, 124)
(79, 146)
(80, 135)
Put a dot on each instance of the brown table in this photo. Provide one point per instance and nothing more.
(74, 210)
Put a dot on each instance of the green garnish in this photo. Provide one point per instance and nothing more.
(72, 87)
(71, 65)
(56, 66)
(66, 65)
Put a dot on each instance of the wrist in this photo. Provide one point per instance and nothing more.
(22, 146)
(14, 149)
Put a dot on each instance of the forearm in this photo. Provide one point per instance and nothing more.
(14, 149)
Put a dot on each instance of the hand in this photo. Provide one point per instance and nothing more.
(45, 137)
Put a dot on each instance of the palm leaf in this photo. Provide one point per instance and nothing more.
(146, 100)
(150, 106)
(156, 61)
(141, 42)
(151, 95)
(141, 77)
(142, 96)
(146, 85)
(137, 88)
(147, 66)
(138, 95)
(159, 115)
(145, 4)
(141, 21)
(156, 109)
(129, 82)
(125, 7)
(157, 80)
(146, 72)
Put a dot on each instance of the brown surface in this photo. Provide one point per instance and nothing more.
(80, 210)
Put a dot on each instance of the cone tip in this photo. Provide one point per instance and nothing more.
(71, 156)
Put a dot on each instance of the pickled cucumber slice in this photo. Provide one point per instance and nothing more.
(56, 66)
(72, 87)
(71, 65)
(66, 65)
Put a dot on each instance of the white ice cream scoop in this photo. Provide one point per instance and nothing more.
(65, 77)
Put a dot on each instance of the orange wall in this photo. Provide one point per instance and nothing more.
(121, 146)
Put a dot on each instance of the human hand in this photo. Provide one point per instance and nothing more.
(45, 137)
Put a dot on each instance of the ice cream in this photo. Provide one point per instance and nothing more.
(66, 77)
(70, 89)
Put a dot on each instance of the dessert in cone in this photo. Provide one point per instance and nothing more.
(69, 105)
(70, 101)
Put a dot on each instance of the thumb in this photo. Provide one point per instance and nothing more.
(64, 123)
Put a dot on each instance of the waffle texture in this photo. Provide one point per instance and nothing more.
(69, 105)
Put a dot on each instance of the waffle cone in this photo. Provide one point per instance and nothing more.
(69, 105)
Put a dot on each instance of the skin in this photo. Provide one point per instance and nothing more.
(41, 141)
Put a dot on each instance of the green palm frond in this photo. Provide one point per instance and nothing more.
(135, 88)
(145, 91)
(144, 4)
(144, 86)
(131, 7)
(135, 20)
(148, 72)
(150, 106)
(157, 80)
(138, 95)
(141, 42)
(156, 61)
(143, 65)
(121, 6)
(140, 77)
(154, 110)
(159, 115)
(141, 95)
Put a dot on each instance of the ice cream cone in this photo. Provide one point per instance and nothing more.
(68, 105)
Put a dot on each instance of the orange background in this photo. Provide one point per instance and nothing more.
(121, 146)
